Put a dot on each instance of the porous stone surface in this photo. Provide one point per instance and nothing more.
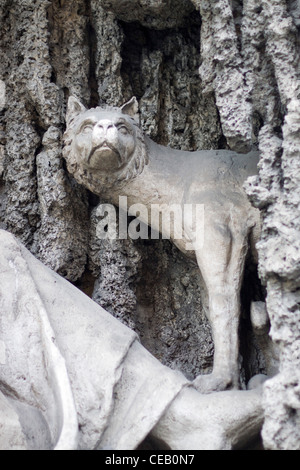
(158, 14)
(246, 95)
(276, 191)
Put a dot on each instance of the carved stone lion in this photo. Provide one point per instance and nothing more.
(107, 152)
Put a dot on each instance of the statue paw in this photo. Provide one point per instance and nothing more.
(213, 383)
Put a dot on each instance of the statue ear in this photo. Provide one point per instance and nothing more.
(131, 108)
(74, 108)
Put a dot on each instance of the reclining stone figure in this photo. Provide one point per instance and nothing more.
(74, 377)
(107, 152)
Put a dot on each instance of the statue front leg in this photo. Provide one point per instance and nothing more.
(221, 261)
(224, 313)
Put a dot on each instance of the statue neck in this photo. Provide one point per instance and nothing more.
(157, 184)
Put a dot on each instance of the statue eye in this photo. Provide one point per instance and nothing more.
(87, 128)
(123, 129)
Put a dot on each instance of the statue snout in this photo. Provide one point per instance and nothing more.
(104, 131)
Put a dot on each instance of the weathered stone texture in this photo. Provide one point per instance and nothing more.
(277, 192)
(222, 71)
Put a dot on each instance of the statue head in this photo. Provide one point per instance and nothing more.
(103, 145)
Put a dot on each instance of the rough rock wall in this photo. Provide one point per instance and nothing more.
(43, 207)
(207, 74)
(276, 191)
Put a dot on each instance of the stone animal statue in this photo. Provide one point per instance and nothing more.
(107, 152)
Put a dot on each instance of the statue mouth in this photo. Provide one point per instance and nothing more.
(104, 146)
(105, 157)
